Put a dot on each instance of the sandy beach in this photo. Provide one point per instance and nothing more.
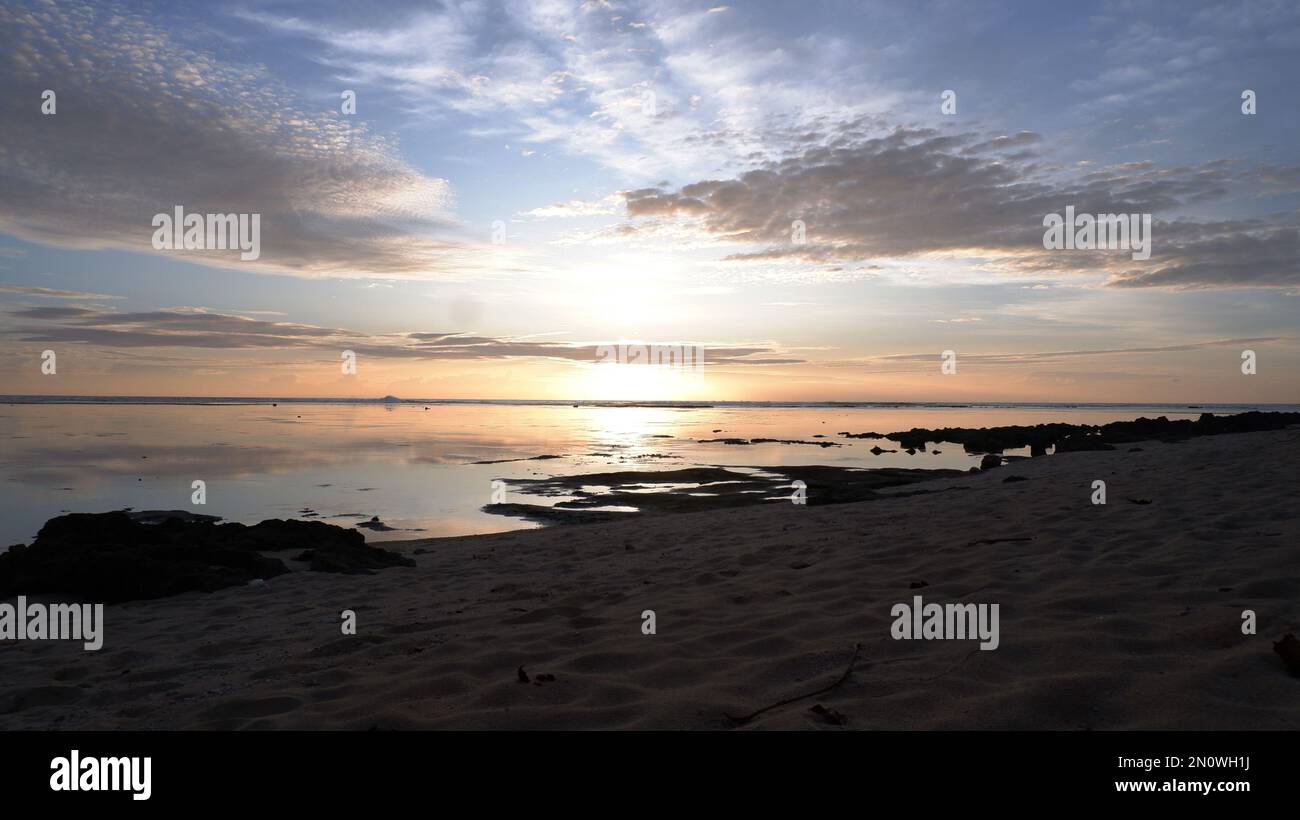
(1122, 616)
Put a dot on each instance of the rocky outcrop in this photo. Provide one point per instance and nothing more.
(1075, 437)
(109, 557)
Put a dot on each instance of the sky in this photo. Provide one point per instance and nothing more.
(471, 199)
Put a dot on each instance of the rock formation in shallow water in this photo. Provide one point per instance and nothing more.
(1077, 437)
(108, 557)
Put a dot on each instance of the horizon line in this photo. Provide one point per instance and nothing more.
(24, 398)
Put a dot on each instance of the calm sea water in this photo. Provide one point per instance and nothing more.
(412, 464)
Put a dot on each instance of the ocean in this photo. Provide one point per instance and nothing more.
(425, 468)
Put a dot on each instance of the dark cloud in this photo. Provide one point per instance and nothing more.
(181, 329)
(917, 191)
(1218, 256)
(54, 312)
(143, 126)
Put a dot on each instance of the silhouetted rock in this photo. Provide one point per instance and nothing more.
(793, 441)
(990, 461)
(767, 441)
(989, 439)
(1288, 649)
(1039, 437)
(159, 516)
(1079, 443)
(108, 557)
(344, 551)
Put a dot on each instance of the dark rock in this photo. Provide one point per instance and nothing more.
(793, 441)
(556, 515)
(767, 441)
(108, 557)
(990, 461)
(1289, 650)
(1079, 443)
(159, 516)
(714, 488)
(546, 457)
(989, 439)
(1038, 438)
(1011, 479)
(829, 715)
(338, 550)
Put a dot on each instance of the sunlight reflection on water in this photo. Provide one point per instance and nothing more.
(411, 466)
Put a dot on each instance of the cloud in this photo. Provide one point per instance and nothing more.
(1223, 254)
(202, 329)
(1042, 357)
(576, 208)
(919, 191)
(143, 125)
(53, 293)
(657, 89)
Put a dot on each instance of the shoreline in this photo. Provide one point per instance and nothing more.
(1120, 616)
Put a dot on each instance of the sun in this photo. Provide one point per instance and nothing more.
(638, 382)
